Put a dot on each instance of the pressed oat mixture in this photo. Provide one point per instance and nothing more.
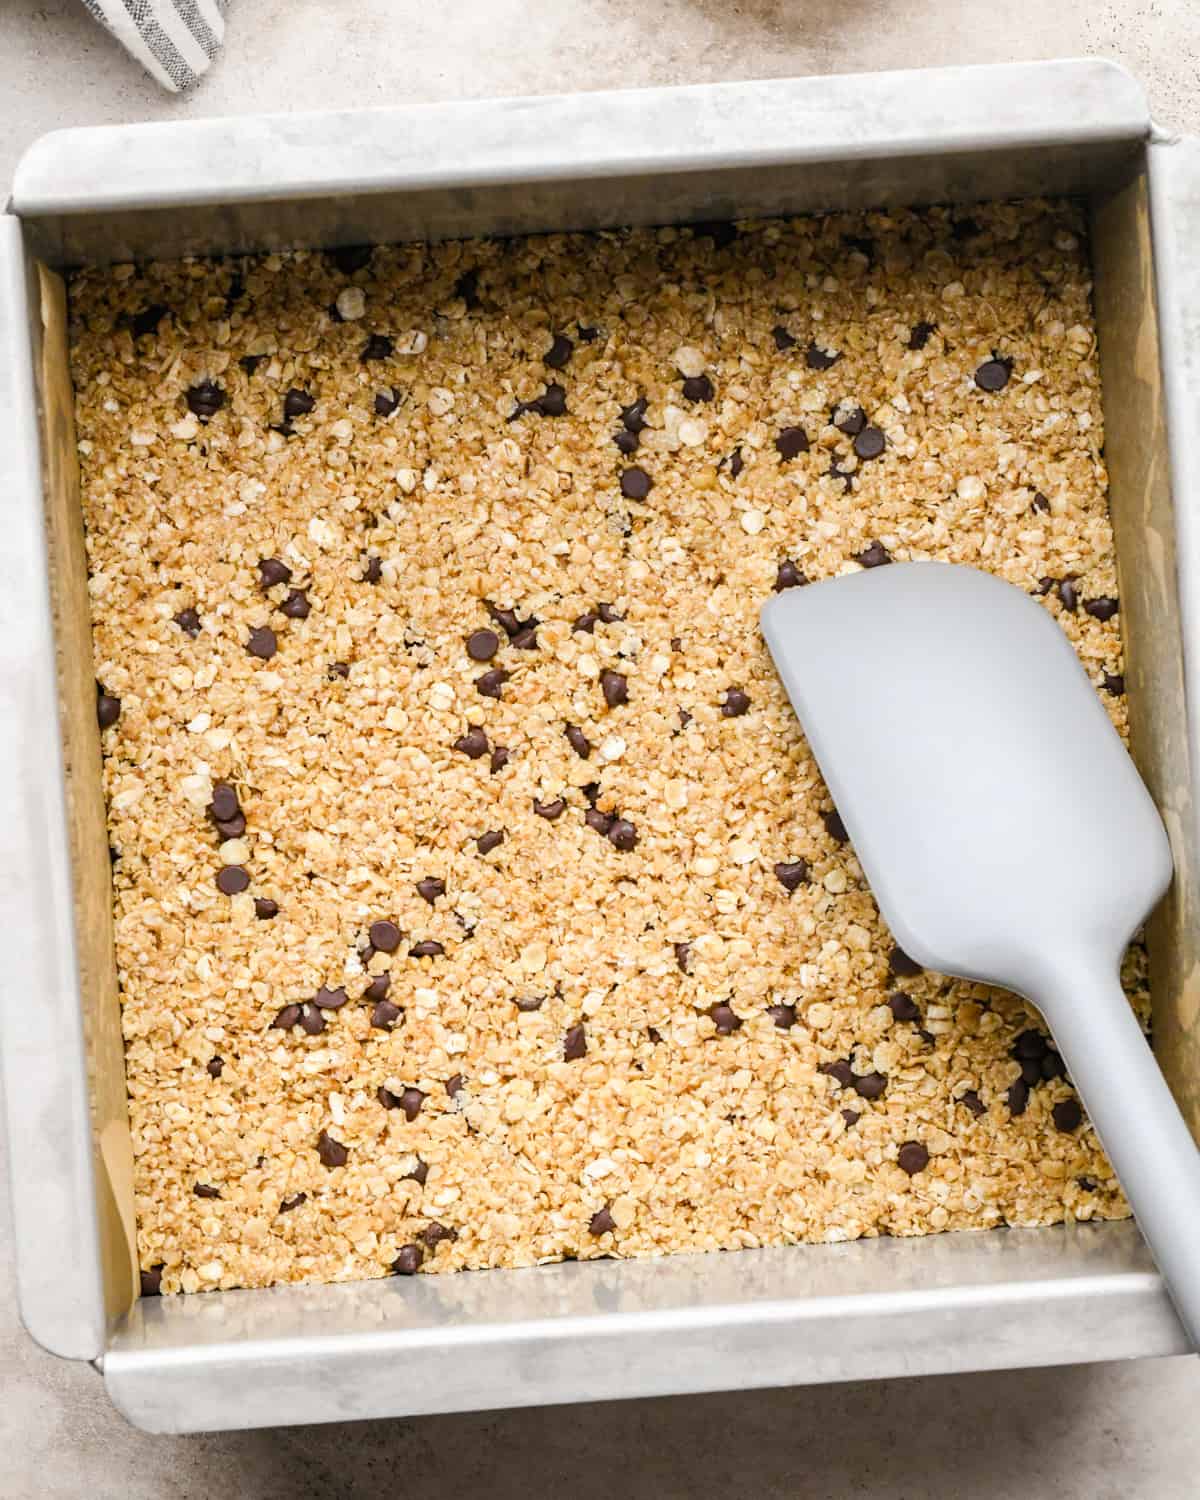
(478, 902)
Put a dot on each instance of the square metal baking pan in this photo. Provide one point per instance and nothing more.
(600, 1329)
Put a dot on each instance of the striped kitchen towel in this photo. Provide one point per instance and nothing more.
(174, 40)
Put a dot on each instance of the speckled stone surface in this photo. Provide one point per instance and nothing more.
(1099, 1432)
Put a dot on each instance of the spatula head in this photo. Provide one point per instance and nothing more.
(991, 804)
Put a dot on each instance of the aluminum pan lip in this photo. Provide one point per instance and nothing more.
(702, 127)
(611, 1330)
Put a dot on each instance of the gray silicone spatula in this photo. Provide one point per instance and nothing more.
(1005, 832)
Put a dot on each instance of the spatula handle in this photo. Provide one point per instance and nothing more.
(1138, 1123)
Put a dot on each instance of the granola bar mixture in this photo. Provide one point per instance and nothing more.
(478, 902)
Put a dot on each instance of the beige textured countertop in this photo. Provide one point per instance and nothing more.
(1076, 1434)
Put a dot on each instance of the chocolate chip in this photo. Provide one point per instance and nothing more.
(429, 888)
(410, 1101)
(188, 621)
(338, 669)
(231, 828)
(408, 1260)
(1030, 1043)
(609, 614)
(288, 1017)
(698, 388)
(296, 605)
(378, 987)
(427, 948)
(1031, 1071)
(870, 1085)
(869, 443)
(817, 358)
(482, 645)
(326, 999)
(735, 703)
(587, 334)
(919, 336)
(601, 1223)
(551, 403)
(1017, 1097)
(993, 374)
(489, 685)
(586, 622)
(633, 416)
(791, 442)
(550, 810)
(251, 362)
(526, 639)
(351, 258)
(902, 1006)
(288, 1204)
(591, 791)
(1068, 595)
(473, 744)
(455, 1085)
(232, 879)
(615, 688)
(791, 876)
(215, 1066)
(265, 909)
(875, 556)
(636, 484)
(378, 346)
(435, 1234)
(601, 822)
(973, 1102)
(654, 1034)
(783, 339)
(912, 1157)
(467, 288)
(507, 619)
(224, 804)
(297, 403)
(331, 1152)
(851, 1117)
(1044, 585)
(724, 1018)
(386, 401)
(271, 572)
(559, 352)
(384, 936)
(1040, 503)
(574, 1043)
(152, 1281)
(500, 758)
(850, 420)
(784, 1015)
(1052, 1066)
(419, 1174)
(1067, 1116)
(529, 1003)
(736, 463)
(1086, 1184)
(108, 709)
(486, 842)
(626, 442)
(1114, 683)
(901, 965)
(834, 826)
(372, 569)
(146, 322)
(1103, 608)
(622, 834)
(203, 1190)
(311, 1019)
(578, 741)
(683, 957)
(676, 643)
(384, 1014)
(206, 399)
(262, 643)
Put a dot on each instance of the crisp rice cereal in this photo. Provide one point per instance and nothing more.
(626, 1106)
